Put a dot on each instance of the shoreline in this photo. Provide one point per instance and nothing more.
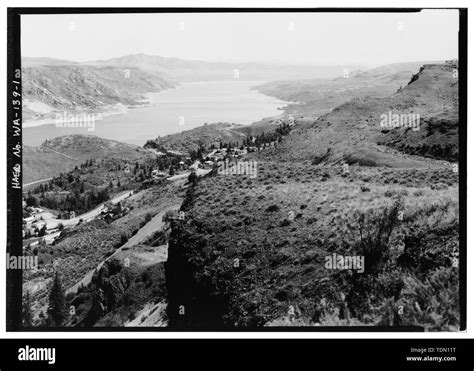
(121, 109)
(110, 110)
(94, 123)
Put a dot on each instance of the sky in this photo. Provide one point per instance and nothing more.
(368, 39)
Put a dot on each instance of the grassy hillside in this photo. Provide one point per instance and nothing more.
(202, 136)
(209, 135)
(244, 262)
(253, 251)
(78, 251)
(318, 96)
(62, 154)
(351, 131)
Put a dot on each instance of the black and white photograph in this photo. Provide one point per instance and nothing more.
(237, 171)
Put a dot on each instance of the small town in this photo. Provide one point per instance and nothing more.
(42, 226)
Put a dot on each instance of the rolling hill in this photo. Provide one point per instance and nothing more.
(62, 154)
(253, 250)
(58, 88)
(352, 131)
(183, 70)
(202, 136)
(315, 97)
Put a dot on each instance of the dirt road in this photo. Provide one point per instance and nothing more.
(154, 225)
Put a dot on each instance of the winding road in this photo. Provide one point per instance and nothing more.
(154, 225)
(52, 222)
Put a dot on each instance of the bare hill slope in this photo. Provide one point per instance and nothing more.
(353, 132)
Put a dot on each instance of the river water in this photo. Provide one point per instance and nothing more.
(172, 111)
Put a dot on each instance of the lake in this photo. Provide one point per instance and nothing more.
(187, 106)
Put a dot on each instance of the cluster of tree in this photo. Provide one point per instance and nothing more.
(167, 163)
(141, 172)
(57, 313)
(43, 188)
(227, 145)
(87, 164)
(269, 137)
(76, 201)
(38, 232)
(260, 140)
(81, 196)
(199, 153)
(31, 200)
(193, 178)
(152, 144)
(63, 181)
(164, 163)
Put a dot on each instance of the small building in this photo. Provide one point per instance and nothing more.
(195, 166)
(158, 174)
(28, 232)
(72, 214)
(176, 153)
(212, 153)
(29, 219)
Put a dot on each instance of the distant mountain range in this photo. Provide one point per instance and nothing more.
(183, 70)
(337, 119)
(52, 86)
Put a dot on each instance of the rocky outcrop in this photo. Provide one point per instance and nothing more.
(52, 89)
(112, 282)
